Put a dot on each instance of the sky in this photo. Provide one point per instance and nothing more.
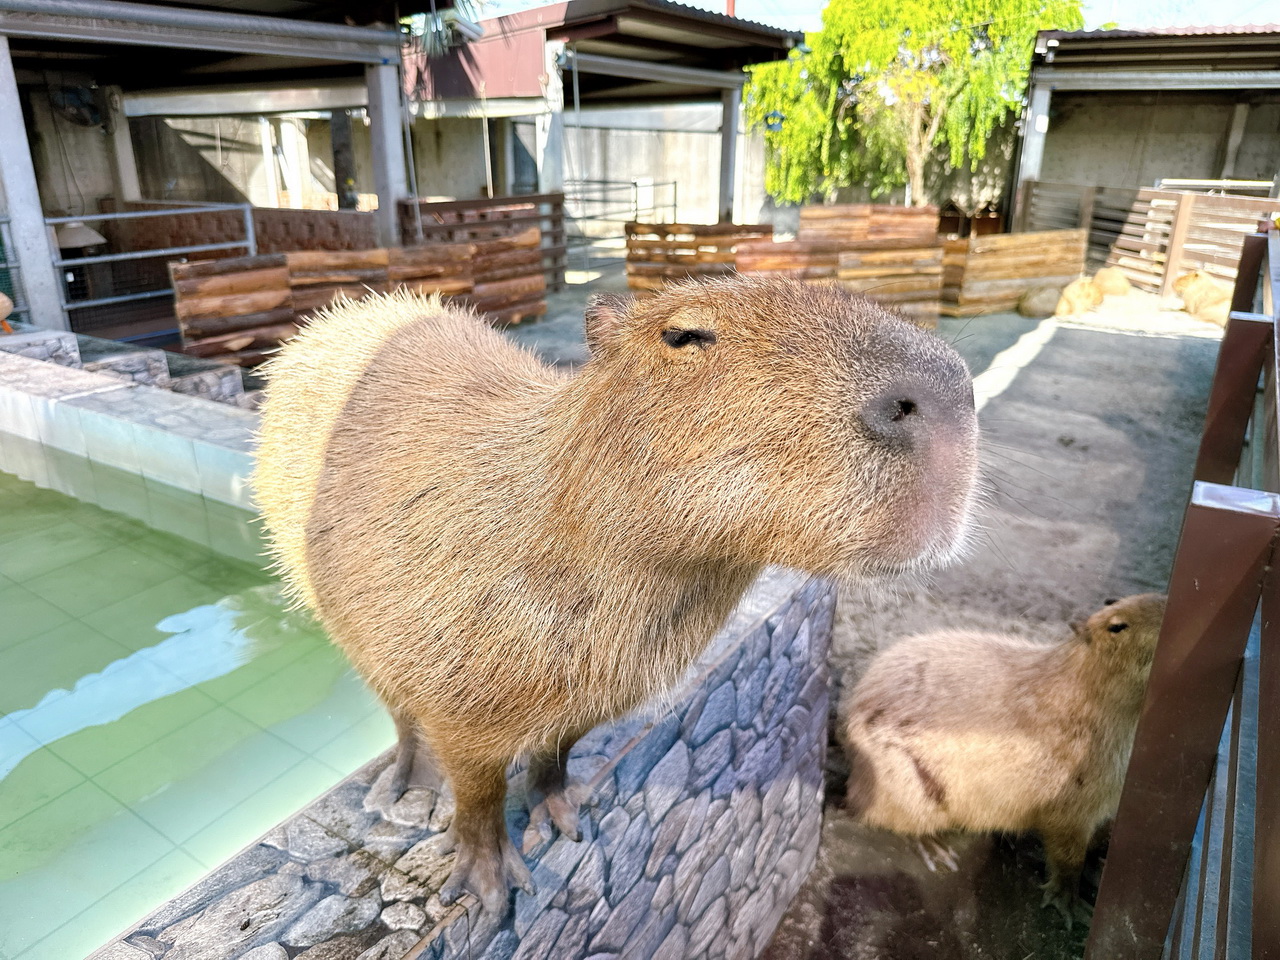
(807, 14)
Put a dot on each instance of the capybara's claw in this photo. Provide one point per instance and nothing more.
(561, 808)
(1067, 901)
(934, 852)
(488, 874)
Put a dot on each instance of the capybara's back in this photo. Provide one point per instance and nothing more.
(511, 555)
(419, 357)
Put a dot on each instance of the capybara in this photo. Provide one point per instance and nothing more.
(511, 555)
(959, 730)
(1112, 282)
(1078, 296)
(1204, 296)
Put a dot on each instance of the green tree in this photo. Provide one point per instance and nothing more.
(886, 84)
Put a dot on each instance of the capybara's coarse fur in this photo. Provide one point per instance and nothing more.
(1078, 296)
(1204, 296)
(511, 555)
(1112, 282)
(959, 730)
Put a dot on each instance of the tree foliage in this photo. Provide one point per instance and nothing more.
(885, 84)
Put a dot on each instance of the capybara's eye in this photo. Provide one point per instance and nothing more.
(1117, 627)
(675, 337)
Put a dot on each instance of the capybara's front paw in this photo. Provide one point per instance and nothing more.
(1064, 896)
(489, 873)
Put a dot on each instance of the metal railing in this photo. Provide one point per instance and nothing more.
(599, 210)
(102, 282)
(10, 272)
(1193, 867)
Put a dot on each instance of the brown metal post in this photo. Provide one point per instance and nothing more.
(1245, 344)
(1227, 540)
(1266, 857)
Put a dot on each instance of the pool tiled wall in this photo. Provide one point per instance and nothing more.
(175, 439)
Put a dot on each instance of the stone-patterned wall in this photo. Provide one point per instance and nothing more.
(702, 822)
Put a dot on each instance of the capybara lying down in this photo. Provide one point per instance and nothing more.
(959, 730)
(1204, 296)
(511, 555)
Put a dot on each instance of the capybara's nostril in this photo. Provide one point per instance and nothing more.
(894, 414)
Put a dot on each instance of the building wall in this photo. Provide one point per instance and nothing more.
(73, 163)
(1135, 139)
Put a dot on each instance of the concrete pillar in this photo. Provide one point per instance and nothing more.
(1235, 134)
(271, 183)
(549, 127)
(731, 103)
(41, 285)
(124, 164)
(390, 178)
(1033, 134)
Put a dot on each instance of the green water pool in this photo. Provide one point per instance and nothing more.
(160, 708)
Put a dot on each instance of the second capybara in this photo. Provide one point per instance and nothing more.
(961, 730)
(1078, 296)
(1205, 297)
(511, 555)
(1112, 282)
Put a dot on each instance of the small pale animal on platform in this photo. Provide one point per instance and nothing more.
(512, 555)
(961, 730)
(1112, 282)
(1079, 296)
(1203, 296)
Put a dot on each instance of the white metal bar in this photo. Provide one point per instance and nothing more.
(113, 21)
(657, 72)
(150, 254)
(1060, 78)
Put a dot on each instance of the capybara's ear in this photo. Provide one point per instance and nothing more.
(1078, 627)
(605, 314)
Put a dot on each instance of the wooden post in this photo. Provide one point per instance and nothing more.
(1088, 198)
(1177, 238)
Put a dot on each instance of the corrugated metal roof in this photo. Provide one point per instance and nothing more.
(1211, 30)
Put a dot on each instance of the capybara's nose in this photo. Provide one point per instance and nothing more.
(912, 408)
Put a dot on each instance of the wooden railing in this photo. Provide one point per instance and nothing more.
(1193, 868)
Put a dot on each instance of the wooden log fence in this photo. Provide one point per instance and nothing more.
(659, 253)
(857, 222)
(240, 309)
(485, 219)
(991, 273)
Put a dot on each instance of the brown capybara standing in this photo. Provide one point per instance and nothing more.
(511, 555)
(960, 730)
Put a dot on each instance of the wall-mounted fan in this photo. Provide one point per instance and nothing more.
(78, 104)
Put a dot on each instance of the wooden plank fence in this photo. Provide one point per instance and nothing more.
(1154, 236)
(992, 273)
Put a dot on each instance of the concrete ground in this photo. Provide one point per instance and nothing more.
(1090, 427)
